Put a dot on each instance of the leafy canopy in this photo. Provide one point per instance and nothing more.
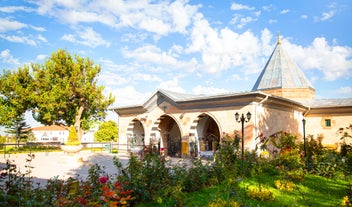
(16, 95)
(107, 132)
(67, 92)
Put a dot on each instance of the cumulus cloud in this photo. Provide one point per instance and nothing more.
(345, 90)
(171, 85)
(235, 6)
(87, 37)
(8, 25)
(12, 9)
(333, 61)
(285, 11)
(325, 16)
(223, 49)
(7, 58)
(208, 90)
(304, 16)
(19, 39)
(128, 95)
(155, 55)
(160, 18)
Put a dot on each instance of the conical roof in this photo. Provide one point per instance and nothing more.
(281, 72)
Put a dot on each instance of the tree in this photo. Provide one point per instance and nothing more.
(67, 92)
(16, 96)
(72, 138)
(20, 130)
(107, 132)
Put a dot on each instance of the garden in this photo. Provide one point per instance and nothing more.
(281, 171)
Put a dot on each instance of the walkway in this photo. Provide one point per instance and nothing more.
(50, 164)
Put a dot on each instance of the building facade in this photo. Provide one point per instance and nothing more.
(50, 133)
(188, 125)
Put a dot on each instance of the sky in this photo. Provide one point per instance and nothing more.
(187, 46)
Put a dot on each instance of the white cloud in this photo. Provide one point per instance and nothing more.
(12, 9)
(146, 77)
(8, 25)
(304, 16)
(171, 85)
(160, 18)
(272, 21)
(235, 6)
(19, 39)
(325, 16)
(223, 49)
(208, 90)
(333, 61)
(128, 96)
(345, 90)
(41, 57)
(87, 37)
(154, 55)
(267, 7)
(285, 11)
(7, 58)
(41, 38)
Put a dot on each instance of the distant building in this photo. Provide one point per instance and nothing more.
(186, 125)
(50, 133)
(59, 134)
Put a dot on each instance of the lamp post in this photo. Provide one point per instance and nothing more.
(304, 142)
(304, 137)
(242, 120)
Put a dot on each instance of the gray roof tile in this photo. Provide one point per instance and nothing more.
(281, 72)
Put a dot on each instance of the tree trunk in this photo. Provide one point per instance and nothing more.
(77, 124)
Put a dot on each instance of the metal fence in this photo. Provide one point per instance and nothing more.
(109, 147)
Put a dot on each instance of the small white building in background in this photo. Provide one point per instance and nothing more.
(50, 133)
(88, 136)
(56, 133)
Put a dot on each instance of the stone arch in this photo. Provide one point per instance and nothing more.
(205, 134)
(166, 134)
(135, 135)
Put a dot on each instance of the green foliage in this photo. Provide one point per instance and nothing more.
(107, 132)
(67, 90)
(17, 95)
(221, 203)
(261, 193)
(72, 138)
(20, 130)
(2, 139)
(96, 190)
(285, 185)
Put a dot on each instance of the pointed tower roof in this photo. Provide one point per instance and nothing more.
(281, 72)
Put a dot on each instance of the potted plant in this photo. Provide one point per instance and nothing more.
(73, 145)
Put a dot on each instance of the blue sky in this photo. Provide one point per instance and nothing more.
(197, 47)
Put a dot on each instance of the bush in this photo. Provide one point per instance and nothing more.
(260, 193)
(284, 185)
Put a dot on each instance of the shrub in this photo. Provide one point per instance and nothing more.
(284, 185)
(220, 203)
(72, 138)
(261, 193)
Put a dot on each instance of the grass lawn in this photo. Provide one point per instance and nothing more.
(312, 191)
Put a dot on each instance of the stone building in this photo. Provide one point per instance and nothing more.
(187, 125)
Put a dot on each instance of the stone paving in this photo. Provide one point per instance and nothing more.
(48, 165)
(51, 164)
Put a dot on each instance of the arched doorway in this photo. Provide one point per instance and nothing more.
(135, 134)
(170, 136)
(208, 135)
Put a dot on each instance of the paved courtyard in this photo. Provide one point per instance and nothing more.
(50, 164)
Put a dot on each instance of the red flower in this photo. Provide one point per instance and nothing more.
(103, 180)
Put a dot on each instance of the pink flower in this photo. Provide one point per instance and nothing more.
(103, 180)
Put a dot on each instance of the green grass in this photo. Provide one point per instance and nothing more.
(312, 191)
